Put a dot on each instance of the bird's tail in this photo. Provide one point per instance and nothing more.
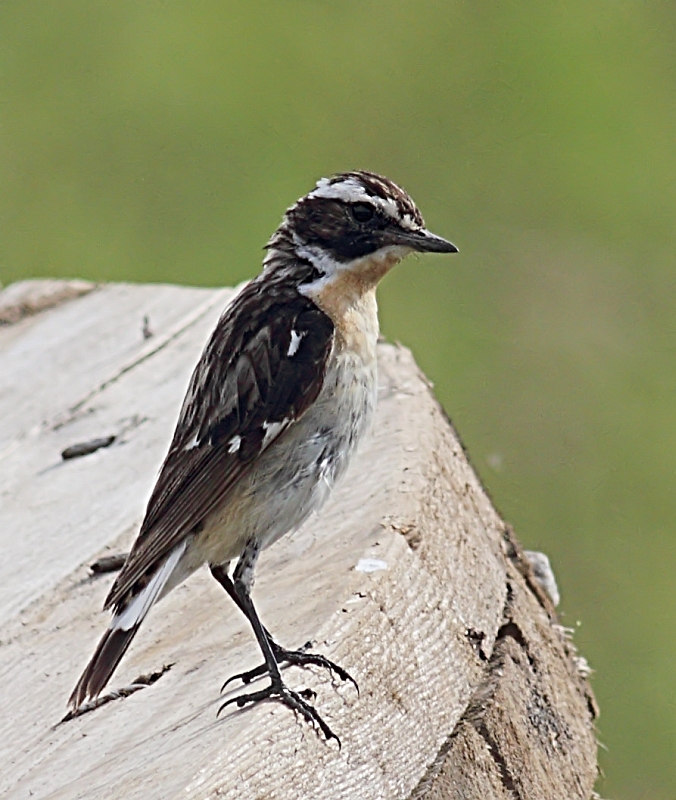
(111, 648)
(122, 629)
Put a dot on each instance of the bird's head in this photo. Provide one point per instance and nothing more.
(356, 221)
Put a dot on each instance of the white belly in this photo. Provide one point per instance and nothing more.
(295, 475)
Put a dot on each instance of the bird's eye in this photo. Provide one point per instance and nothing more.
(362, 212)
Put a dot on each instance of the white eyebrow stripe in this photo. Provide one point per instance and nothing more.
(352, 191)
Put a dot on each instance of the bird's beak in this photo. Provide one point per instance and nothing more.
(424, 242)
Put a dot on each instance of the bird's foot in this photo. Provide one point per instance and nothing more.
(293, 700)
(298, 658)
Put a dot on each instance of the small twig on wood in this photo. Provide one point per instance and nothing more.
(111, 563)
(85, 448)
(139, 683)
(146, 330)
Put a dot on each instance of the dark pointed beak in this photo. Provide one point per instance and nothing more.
(431, 243)
(424, 242)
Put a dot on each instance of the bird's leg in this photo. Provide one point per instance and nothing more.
(241, 586)
(220, 572)
(299, 658)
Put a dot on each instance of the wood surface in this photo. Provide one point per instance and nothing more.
(409, 578)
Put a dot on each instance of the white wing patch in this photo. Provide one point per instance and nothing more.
(294, 344)
(234, 443)
(272, 431)
(136, 611)
(191, 444)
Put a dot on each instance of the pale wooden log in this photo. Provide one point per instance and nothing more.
(469, 687)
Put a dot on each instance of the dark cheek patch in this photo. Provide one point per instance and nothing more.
(327, 224)
(352, 247)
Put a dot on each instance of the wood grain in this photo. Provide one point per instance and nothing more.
(469, 687)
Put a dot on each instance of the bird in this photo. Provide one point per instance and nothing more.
(281, 396)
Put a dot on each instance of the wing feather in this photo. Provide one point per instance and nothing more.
(247, 383)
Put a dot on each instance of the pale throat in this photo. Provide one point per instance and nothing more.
(344, 284)
(347, 295)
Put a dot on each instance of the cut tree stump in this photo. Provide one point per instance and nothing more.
(409, 578)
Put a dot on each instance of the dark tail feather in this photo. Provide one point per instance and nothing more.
(129, 614)
(112, 647)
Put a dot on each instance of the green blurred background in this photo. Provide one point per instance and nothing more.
(161, 141)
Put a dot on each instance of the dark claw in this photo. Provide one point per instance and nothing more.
(279, 691)
(252, 674)
(299, 658)
(246, 677)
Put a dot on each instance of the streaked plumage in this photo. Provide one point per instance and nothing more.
(278, 401)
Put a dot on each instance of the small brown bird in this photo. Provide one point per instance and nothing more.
(278, 401)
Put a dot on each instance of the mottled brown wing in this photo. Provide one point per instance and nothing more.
(265, 363)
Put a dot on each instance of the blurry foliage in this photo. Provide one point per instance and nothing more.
(157, 141)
